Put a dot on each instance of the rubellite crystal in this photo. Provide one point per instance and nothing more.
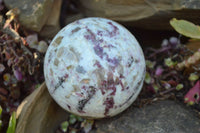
(94, 67)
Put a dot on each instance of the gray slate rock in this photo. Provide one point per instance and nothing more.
(33, 13)
(161, 117)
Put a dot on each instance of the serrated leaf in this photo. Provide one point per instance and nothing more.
(186, 28)
(12, 123)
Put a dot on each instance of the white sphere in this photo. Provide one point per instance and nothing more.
(94, 67)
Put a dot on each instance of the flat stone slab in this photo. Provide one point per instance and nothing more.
(160, 117)
(38, 113)
(145, 14)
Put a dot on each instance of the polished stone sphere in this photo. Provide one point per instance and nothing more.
(94, 67)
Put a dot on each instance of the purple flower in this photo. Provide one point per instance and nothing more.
(174, 41)
(17, 73)
(159, 71)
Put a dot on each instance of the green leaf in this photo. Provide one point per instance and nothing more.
(186, 28)
(147, 78)
(193, 77)
(12, 123)
(64, 126)
(155, 87)
(169, 62)
(1, 111)
(79, 118)
(179, 87)
(72, 119)
(150, 64)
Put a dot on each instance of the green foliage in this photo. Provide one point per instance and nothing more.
(179, 87)
(150, 64)
(1, 111)
(70, 125)
(147, 78)
(169, 62)
(64, 126)
(75, 118)
(12, 123)
(186, 28)
(193, 77)
(155, 87)
(72, 119)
